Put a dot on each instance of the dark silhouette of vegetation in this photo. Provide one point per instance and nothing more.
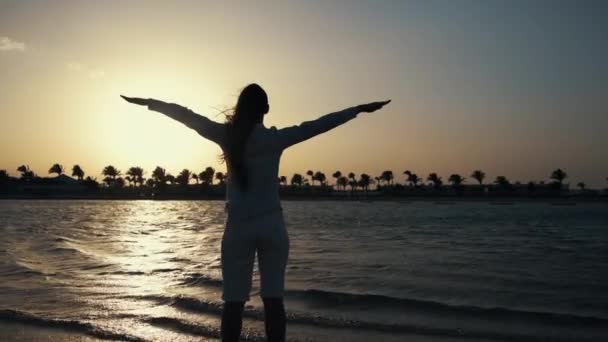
(210, 182)
(310, 174)
(479, 176)
(456, 180)
(558, 177)
(387, 177)
(503, 183)
(135, 174)
(26, 173)
(365, 181)
(77, 172)
(435, 180)
(159, 177)
(337, 176)
(221, 178)
(342, 182)
(319, 177)
(111, 176)
(297, 179)
(56, 168)
(183, 178)
(206, 176)
(4, 176)
(412, 179)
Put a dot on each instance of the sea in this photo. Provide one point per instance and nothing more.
(358, 270)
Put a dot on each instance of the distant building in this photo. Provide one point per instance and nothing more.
(49, 185)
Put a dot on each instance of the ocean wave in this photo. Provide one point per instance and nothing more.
(65, 239)
(198, 329)
(210, 307)
(122, 273)
(75, 326)
(198, 279)
(22, 268)
(331, 298)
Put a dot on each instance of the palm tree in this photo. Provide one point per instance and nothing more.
(136, 174)
(220, 177)
(435, 179)
(26, 173)
(387, 177)
(479, 176)
(110, 173)
(342, 182)
(319, 177)
(581, 185)
(25, 170)
(407, 173)
(456, 180)
(365, 181)
(160, 176)
(171, 178)
(119, 182)
(297, 179)
(353, 184)
(503, 182)
(412, 178)
(310, 174)
(558, 176)
(207, 176)
(56, 168)
(337, 176)
(77, 172)
(283, 180)
(195, 177)
(184, 177)
(351, 175)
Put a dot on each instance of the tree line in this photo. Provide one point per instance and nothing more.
(135, 177)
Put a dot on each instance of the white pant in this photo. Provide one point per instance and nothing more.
(264, 234)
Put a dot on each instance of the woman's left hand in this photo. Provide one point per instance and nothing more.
(136, 100)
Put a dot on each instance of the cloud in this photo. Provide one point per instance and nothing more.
(7, 44)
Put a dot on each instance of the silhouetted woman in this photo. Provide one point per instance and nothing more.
(254, 221)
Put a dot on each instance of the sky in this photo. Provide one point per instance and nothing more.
(514, 88)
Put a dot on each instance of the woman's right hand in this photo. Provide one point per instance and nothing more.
(372, 107)
(136, 100)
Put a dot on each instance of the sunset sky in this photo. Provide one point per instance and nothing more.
(515, 88)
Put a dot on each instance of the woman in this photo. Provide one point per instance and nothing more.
(254, 221)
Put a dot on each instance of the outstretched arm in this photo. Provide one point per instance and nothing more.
(209, 129)
(292, 135)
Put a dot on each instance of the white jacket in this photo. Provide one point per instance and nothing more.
(262, 154)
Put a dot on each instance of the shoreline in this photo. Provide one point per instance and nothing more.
(439, 200)
(25, 331)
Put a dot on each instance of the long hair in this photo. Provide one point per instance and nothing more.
(250, 108)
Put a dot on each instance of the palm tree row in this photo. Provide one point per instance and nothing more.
(135, 177)
(433, 180)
